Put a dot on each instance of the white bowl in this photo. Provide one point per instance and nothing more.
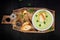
(48, 26)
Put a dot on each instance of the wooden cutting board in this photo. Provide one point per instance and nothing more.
(18, 12)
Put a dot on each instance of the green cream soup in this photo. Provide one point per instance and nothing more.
(46, 24)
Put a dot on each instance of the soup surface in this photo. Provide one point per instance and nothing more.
(42, 20)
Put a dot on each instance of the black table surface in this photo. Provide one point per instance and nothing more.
(6, 31)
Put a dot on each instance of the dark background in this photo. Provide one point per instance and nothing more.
(6, 31)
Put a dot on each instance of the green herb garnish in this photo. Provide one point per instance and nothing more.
(37, 21)
(21, 15)
(36, 15)
(29, 4)
(39, 25)
(44, 22)
(51, 28)
(46, 16)
(31, 10)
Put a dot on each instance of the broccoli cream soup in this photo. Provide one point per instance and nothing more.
(42, 19)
